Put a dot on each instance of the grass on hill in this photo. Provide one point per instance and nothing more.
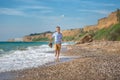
(41, 39)
(112, 33)
(68, 38)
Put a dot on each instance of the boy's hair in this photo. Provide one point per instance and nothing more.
(58, 27)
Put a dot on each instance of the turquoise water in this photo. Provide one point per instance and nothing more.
(8, 46)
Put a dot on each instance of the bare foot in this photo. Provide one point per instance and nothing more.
(55, 55)
(57, 59)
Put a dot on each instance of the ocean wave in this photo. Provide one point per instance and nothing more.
(2, 51)
(31, 57)
(68, 43)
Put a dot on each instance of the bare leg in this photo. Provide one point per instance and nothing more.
(58, 54)
(55, 53)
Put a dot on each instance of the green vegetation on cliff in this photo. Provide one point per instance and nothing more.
(68, 38)
(118, 15)
(112, 33)
(41, 39)
(34, 34)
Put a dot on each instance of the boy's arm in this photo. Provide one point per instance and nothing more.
(50, 43)
(61, 37)
(50, 38)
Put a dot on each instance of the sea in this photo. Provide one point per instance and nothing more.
(22, 55)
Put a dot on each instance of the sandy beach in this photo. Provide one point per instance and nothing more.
(90, 61)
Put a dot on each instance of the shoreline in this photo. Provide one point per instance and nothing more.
(12, 75)
(96, 60)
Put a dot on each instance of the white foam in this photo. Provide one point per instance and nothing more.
(32, 57)
(68, 43)
(1, 51)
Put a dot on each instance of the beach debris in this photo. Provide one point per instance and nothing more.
(85, 39)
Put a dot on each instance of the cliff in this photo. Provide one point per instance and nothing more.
(90, 28)
(35, 37)
(104, 22)
(107, 21)
(71, 32)
(45, 35)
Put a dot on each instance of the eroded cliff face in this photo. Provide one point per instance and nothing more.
(90, 28)
(107, 21)
(103, 23)
(30, 38)
(71, 32)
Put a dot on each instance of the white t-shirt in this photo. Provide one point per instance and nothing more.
(57, 37)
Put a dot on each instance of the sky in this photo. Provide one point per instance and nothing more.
(23, 17)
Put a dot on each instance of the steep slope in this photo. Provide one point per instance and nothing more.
(113, 18)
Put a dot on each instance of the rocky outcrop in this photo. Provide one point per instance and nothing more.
(86, 38)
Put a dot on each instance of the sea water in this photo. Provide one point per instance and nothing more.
(21, 55)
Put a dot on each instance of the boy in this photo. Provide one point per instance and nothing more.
(57, 40)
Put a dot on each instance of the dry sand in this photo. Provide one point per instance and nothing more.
(94, 63)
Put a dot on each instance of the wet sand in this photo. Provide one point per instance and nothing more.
(8, 75)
